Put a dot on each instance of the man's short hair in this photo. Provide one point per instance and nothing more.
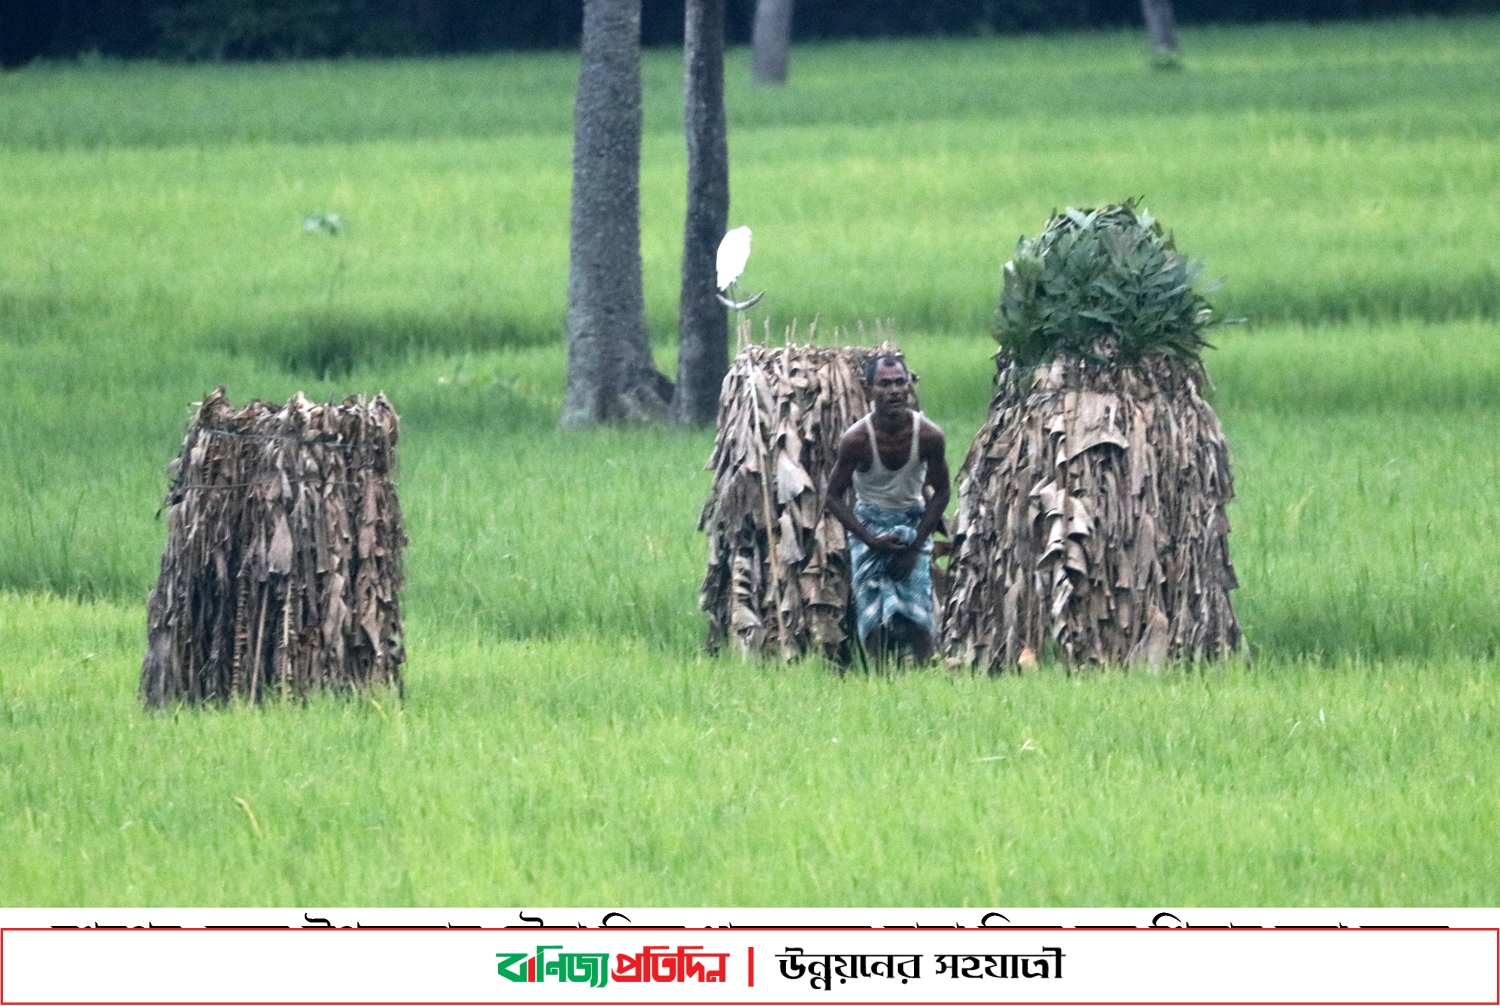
(874, 363)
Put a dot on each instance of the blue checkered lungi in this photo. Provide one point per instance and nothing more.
(877, 596)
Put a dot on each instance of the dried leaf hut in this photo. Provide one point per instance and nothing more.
(778, 577)
(1091, 521)
(282, 570)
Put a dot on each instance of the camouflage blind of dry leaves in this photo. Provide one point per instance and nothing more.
(1091, 518)
(1091, 514)
(282, 568)
(778, 577)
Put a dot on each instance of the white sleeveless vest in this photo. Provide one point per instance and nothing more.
(898, 489)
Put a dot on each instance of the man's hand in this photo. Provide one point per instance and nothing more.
(902, 561)
(886, 543)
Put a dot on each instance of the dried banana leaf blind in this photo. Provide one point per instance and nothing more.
(282, 570)
(1091, 518)
(1091, 515)
(778, 577)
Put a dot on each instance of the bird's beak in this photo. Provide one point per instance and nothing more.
(743, 305)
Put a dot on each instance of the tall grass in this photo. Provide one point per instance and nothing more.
(562, 740)
(1363, 459)
(1332, 173)
(585, 772)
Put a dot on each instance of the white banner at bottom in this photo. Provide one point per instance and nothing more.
(748, 966)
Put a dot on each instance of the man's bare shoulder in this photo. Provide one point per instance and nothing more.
(931, 432)
(854, 446)
(857, 433)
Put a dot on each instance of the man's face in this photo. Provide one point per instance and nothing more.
(890, 388)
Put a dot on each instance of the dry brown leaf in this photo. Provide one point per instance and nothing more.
(1091, 514)
(261, 574)
(777, 581)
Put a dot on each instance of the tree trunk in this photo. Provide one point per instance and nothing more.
(702, 322)
(611, 377)
(770, 37)
(1161, 26)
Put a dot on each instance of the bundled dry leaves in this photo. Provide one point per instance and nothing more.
(1092, 511)
(283, 561)
(778, 579)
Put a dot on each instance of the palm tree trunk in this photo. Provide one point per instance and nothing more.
(703, 325)
(770, 38)
(611, 377)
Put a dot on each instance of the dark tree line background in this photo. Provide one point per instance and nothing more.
(277, 29)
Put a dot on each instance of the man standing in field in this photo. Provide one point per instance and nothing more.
(888, 456)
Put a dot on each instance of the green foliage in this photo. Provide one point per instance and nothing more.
(1106, 283)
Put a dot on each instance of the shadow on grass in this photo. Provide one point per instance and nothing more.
(1411, 628)
(1467, 296)
(27, 317)
(1473, 295)
(64, 577)
(331, 345)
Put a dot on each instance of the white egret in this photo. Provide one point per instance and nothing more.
(734, 252)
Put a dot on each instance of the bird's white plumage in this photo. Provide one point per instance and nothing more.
(734, 252)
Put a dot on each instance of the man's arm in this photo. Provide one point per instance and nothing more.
(853, 448)
(932, 449)
(934, 452)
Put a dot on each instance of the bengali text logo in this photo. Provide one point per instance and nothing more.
(651, 964)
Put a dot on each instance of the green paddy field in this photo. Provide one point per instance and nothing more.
(562, 739)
